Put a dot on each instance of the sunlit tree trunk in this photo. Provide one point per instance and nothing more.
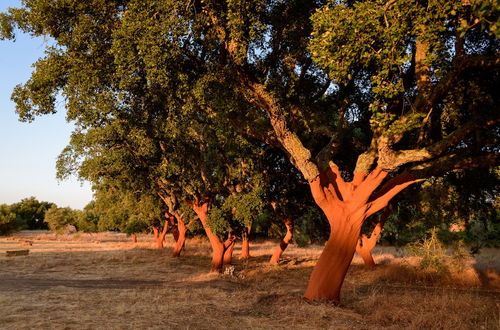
(365, 245)
(160, 235)
(181, 237)
(346, 205)
(201, 210)
(134, 238)
(174, 228)
(275, 258)
(228, 249)
(245, 242)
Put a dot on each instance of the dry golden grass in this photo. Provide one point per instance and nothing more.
(103, 281)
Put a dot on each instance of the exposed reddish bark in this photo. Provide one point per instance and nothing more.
(160, 236)
(181, 237)
(275, 258)
(174, 228)
(346, 205)
(180, 234)
(134, 238)
(156, 233)
(245, 242)
(365, 245)
(201, 210)
(228, 249)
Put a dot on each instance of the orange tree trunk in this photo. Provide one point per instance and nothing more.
(181, 238)
(156, 232)
(160, 236)
(275, 258)
(365, 245)
(245, 242)
(364, 249)
(228, 250)
(159, 241)
(218, 248)
(329, 273)
(134, 238)
(174, 228)
(346, 206)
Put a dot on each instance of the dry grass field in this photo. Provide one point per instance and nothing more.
(103, 281)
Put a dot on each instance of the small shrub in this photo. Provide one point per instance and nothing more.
(59, 219)
(436, 258)
(460, 255)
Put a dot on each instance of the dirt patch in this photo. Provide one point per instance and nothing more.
(10, 284)
(103, 281)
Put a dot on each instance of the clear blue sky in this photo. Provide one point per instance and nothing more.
(28, 151)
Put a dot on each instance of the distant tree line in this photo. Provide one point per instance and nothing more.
(29, 213)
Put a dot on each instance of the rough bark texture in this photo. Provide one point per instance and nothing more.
(422, 70)
(300, 155)
(245, 243)
(365, 245)
(278, 252)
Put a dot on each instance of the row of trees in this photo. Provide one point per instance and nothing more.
(32, 214)
(222, 107)
(29, 213)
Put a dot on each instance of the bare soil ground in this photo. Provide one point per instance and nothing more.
(103, 281)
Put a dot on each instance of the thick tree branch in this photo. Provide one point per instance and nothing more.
(262, 134)
(393, 187)
(451, 162)
(300, 155)
(423, 171)
(460, 63)
(390, 159)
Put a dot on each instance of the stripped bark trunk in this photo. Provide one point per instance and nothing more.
(160, 236)
(346, 205)
(245, 242)
(181, 238)
(201, 210)
(278, 252)
(365, 245)
(328, 275)
(174, 229)
(134, 238)
(228, 250)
